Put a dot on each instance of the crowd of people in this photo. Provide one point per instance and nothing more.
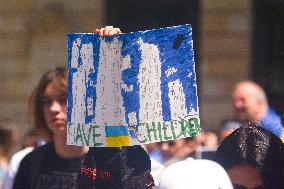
(247, 153)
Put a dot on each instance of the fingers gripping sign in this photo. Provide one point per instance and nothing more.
(108, 31)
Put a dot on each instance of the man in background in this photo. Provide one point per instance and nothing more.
(177, 150)
(250, 105)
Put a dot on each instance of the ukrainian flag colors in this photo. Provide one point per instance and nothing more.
(117, 136)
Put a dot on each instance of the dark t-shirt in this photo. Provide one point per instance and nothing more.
(44, 169)
(116, 168)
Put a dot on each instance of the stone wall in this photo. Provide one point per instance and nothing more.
(33, 40)
(224, 56)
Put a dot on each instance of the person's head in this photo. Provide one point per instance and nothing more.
(228, 126)
(195, 174)
(179, 148)
(207, 138)
(48, 103)
(8, 138)
(253, 158)
(249, 101)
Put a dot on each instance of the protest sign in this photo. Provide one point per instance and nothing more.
(130, 89)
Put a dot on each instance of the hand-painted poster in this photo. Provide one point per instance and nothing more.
(130, 89)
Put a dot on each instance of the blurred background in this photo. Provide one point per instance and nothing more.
(234, 40)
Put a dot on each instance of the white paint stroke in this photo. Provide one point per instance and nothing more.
(170, 71)
(78, 84)
(132, 118)
(90, 105)
(126, 62)
(127, 88)
(149, 78)
(75, 53)
(177, 100)
(79, 95)
(109, 102)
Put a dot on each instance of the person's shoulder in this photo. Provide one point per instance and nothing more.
(272, 114)
(22, 153)
(18, 156)
(39, 151)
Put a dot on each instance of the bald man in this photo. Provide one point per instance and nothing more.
(250, 105)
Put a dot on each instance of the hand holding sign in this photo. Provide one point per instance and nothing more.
(131, 88)
(108, 31)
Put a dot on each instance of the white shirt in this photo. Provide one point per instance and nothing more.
(13, 167)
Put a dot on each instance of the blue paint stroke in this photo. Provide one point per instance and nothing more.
(113, 131)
